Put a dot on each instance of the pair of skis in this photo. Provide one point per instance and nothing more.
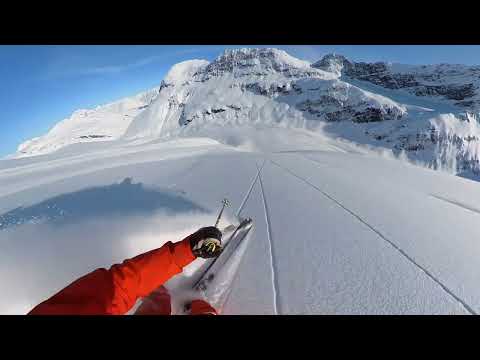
(233, 243)
(214, 283)
(214, 280)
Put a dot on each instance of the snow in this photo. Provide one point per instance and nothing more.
(226, 101)
(104, 123)
(343, 222)
(403, 97)
(450, 69)
(272, 57)
(341, 265)
(458, 139)
(330, 236)
(184, 71)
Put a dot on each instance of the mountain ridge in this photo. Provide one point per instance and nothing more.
(427, 112)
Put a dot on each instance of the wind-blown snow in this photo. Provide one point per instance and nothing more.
(457, 138)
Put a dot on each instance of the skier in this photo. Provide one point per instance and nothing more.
(115, 291)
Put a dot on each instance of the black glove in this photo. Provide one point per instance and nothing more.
(206, 242)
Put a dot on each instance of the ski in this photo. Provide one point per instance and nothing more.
(235, 240)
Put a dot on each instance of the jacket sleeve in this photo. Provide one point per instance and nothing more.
(115, 291)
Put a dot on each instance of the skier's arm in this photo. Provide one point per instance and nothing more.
(115, 291)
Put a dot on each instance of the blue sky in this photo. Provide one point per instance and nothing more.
(41, 85)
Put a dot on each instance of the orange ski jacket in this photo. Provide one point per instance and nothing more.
(115, 291)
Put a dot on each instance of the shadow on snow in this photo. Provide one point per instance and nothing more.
(125, 198)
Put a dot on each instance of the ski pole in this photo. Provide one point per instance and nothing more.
(225, 203)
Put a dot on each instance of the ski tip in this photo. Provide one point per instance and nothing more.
(246, 223)
(244, 220)
(248, 220)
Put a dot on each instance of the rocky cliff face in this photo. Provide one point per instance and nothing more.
(457, 83)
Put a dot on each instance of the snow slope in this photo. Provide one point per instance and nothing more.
(104, 123)
(337, 231)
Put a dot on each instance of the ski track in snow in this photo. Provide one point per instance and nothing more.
(396, 247)
(190, 167)
(275, 285)
(456, 203)
(247, 196)
(273, 255)
(237, 114)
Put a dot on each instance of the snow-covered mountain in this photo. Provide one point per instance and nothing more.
(103, 123)
(443, 101)
(256, 86)
(459, 84)
(427, 114)
(338, 229)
